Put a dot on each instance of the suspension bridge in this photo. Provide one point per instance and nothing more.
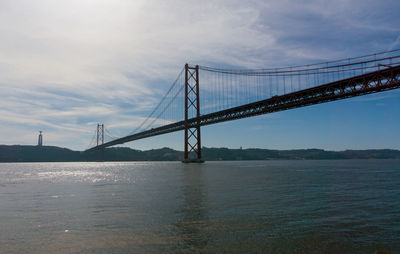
(204, 95)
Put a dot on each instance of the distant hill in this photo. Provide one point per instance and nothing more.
(18, 153)
(299, 154)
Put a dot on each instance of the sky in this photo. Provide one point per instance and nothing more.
(67, 65)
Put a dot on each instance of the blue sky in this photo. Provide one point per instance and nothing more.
(67, 65)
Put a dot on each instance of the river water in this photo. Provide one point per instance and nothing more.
(342, 206)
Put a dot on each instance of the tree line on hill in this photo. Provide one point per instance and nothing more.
(19, 153)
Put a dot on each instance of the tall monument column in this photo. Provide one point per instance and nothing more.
(40, 139)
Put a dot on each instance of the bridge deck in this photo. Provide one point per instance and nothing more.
(378, 81)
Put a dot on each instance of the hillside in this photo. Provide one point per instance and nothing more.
(19, 153)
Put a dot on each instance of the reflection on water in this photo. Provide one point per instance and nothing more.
(193, 219)
(216, 207)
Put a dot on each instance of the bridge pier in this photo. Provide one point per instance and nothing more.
(194, 160)
(192, 143)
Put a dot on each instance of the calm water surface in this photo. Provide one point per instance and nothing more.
(218, 207)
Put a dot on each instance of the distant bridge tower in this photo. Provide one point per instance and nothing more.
(40, 139)
(192, 105)
(100, 134)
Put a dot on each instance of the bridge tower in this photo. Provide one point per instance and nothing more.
(192, 106)
(100, 134)
(100, 141)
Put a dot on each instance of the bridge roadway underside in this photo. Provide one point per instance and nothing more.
(374, 82)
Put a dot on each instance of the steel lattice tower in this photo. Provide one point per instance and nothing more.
(192, 103)
(100, 134)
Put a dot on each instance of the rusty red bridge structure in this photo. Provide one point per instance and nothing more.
(204, 95)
